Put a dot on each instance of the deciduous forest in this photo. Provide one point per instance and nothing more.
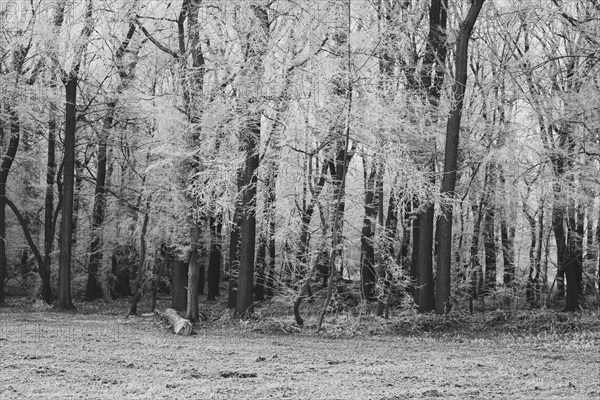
(418, 179)
(425, 154)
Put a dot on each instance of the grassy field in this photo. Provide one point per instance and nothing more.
(98, 353)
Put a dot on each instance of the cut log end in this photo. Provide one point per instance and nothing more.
(180, 325)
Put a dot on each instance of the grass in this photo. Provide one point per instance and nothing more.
(96, 352)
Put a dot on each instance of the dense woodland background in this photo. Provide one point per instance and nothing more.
(436, 151)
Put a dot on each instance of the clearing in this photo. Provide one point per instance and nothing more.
(46, 354)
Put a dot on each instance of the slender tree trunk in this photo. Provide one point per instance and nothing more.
(64, 299)
(49, 220)
(368, 277)
(531, 291)
(7, 160)
(489, 236)
(93, 289)
(444, 256)
(391, 227)
(558, 216)
(137, 286)
(234, 246)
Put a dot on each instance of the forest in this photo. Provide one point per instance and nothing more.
(393, 154)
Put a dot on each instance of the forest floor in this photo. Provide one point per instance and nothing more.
(95, 352)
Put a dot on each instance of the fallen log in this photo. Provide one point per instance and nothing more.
(180, 325)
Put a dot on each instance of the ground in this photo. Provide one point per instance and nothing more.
(98, 353)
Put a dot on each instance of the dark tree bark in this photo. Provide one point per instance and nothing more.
(49, 212)
(93, 289)
(7, 160)
(444, 255)
(250, 143)
(214, 260)
(573, 267)
(194, 274)
(532, 288)
(70, 80)
(248, 229)
(368, 275)
(234, 245)
(178, 285)
(424, 294)
(431, 79)
(64, 299)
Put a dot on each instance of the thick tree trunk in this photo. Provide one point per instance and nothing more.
(574, 260)
(194, 274)
(252, 75)
(64, 299)
(214, 259)
(424, 295)
(444, 256)
(178, 285)
(248, 232)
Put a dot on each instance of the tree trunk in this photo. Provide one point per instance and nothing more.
(252, 75)
(444, 256)
(532, 289)
(368, 233)
(307, 214)
(214, 260)
(424, 294)
(93, 289)
(49, 219)
(137, 286)
(489, 236)
(261, 261)
(178, 285)
(558, 216)
(391, 227)
(193, 286)
(234, 246)
(248, 232)
(64, 299)
(7, 160)
(574, 260)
